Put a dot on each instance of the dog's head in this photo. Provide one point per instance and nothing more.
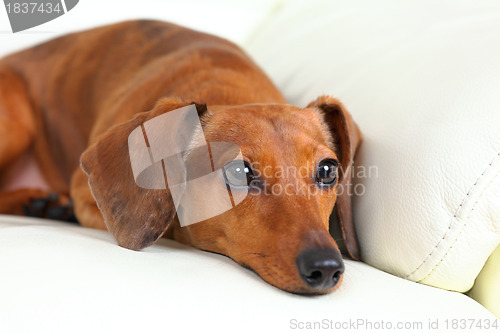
(293, 168)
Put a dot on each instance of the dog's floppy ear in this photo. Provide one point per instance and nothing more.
(347, 138)
(136, 216)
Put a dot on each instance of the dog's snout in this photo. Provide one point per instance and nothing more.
(320, 269)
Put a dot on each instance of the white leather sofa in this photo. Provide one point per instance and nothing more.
(420, 78)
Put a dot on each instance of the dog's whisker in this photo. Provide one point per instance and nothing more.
(202, 243)
(246, 255)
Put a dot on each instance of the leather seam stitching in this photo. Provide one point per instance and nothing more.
(461, 230)
(453, 219)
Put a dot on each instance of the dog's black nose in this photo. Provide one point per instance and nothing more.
(320, 269)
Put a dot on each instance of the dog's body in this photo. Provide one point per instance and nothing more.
(86, 92)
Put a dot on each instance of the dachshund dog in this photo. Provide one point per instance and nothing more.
(68, 107)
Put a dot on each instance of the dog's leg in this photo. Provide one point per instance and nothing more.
(37, 203)
(85, 205)
(17, 125)
(16, 202)
(17, 129)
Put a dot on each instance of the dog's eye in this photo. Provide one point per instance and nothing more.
(327, 172)
(238, 173)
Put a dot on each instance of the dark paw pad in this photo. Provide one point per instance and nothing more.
(50, 207)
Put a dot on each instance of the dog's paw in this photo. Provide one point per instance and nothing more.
(51, 207)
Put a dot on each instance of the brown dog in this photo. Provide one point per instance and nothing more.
(78, 98)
